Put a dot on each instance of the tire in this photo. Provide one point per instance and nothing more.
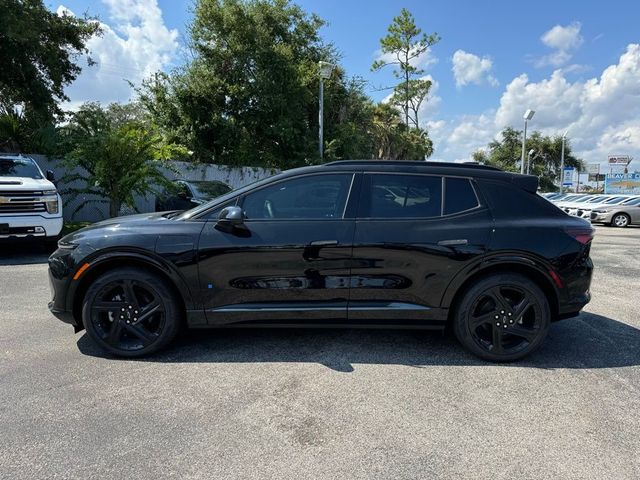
(502, 317)
(131, 312)
(621, 220)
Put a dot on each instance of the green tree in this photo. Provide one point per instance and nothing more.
(38, 53)
(405, 44)
(544, 162)
(115, 156)
(393, 140)
(249, 96)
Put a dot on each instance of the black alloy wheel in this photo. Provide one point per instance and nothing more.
(130, 312)
(502, 317)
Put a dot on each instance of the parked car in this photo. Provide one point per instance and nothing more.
(353, 243)
(620, 215)
(187, 194)
(30, 206)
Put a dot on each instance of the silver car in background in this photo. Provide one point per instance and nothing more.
(620, 215)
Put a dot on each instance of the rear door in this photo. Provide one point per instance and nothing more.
(413, 233)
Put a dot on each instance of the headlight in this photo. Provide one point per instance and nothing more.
(51, 204)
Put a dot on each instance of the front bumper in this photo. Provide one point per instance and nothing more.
(601, 217)
(30, 226)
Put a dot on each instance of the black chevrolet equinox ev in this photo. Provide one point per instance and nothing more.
(347, 244)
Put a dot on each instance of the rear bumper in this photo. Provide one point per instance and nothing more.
(30, 226)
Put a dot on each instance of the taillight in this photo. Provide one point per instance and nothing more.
(583, 235)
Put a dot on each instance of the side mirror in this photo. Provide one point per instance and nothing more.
(49, 175)
(231, 216)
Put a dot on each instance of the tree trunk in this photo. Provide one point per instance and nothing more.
(114, 207)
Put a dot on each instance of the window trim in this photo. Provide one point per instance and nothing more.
(240, 199)
(443, 178)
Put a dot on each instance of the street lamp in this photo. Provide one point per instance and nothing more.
(528, 115)
(531, 152)
(325, 69)
(564, 138)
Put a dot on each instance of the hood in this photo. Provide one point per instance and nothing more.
(118, 225)
(25, 184)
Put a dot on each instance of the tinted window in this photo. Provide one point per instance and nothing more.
(459, 196)
(309, 197)
(402, 196)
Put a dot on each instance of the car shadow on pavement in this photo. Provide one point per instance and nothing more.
(589, 341)
(24, 253)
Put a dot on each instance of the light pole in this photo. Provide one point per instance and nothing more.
(528, 115)
(564, 138)
(325, 69)
(531, 152)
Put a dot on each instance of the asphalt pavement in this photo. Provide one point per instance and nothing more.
(304, 404)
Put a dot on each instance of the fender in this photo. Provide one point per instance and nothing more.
(498, 259)
(140, 256)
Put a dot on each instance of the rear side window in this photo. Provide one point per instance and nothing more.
(401, 196)
(459, 196)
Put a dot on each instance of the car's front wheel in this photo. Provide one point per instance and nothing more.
(620, 220)
(502, 317)
(131, 312)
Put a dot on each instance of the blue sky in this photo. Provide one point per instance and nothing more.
(577, 63)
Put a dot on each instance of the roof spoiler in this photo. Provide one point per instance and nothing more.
(525, 182)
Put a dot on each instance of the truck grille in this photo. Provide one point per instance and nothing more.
(21, 202)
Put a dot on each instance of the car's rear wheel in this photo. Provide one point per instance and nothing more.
(502, 317)
(620, 220)
(131, 312)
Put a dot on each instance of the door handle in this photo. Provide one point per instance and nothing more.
(323, 243)
(452, 243)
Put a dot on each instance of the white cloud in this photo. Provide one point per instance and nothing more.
(602, 114)
(564, 40)
(469, 68)
(135, 44)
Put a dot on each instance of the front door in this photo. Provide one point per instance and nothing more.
(288, 262)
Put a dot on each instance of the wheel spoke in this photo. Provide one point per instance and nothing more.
(518, 331)
(130, 294)
(105, 305)
(501, 302)
(475, 322)
(149, 310)
(522, 308)
(496, 339)
(115, 333)
(140, 332)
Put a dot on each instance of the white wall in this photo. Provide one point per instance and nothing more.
(90, 209)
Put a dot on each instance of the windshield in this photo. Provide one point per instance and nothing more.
(597, 199)
(19, 167)
(209, 190)
(633, 201)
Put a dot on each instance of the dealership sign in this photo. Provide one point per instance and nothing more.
(619, 160)
(622, 183)
(567, 176)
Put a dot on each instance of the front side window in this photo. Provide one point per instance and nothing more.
(312, 197)
(401, 196)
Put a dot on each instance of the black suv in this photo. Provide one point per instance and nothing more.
(349, 244)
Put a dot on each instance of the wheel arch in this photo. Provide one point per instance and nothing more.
(115, 260)
(524, 267)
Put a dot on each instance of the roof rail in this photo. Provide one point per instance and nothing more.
(414, 163)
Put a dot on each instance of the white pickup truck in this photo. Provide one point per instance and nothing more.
(30, 206)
